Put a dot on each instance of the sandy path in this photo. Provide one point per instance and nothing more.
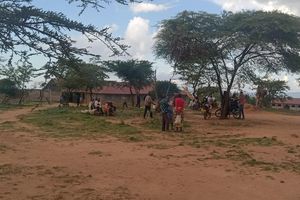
(33, 167)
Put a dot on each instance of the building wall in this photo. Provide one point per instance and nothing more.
(117, 99)
(34, 95)
(295, 107)
(286, 106)
(277, 106)
(48, 95)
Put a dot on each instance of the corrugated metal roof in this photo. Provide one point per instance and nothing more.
(117, 89)
(120, 90)
(293, 101)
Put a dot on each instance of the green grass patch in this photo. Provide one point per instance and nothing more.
(264, 141)
(5, 107)
(129, 113)
(238, 155)
(227, 142)
(153, 123)
(266, 166)
(5, 126)
(70, 122)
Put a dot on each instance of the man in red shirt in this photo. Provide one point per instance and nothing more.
(179, 107)
(179, 103)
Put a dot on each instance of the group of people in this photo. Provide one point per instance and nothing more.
(98, 108)
(168, 106)
(237, 102)
(207, 102)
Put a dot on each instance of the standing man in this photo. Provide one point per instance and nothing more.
(242, 101)
(138, 101)
(78, 98)
(179, 104)
(148, 104)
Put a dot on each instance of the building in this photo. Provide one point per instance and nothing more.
(290, 104)
(113, 91)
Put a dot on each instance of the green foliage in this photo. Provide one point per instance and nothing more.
(207, 91)
(26, 30)
(77, 75)
(8, 87)
(136, 73)
(194, 74)
(235, 45)
(162, 87)
(276, 89)
(20, 75)
(251, 100)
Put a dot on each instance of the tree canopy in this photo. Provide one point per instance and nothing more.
(8, 88)
(20, 74)
(84, 75)
(164, 87)
(26, 30)
(275, 89)
(136, 73)
(236, 45)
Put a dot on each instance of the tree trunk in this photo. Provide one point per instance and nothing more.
(5, 99)
(132, 96)
(22, 96)
(91, 94)
(138, 99)
(225, 105)
(41, 96)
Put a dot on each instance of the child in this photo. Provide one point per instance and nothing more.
(178, 122)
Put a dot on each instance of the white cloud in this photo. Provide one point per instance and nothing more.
(148, 7)
(286, 6)
(139, 37)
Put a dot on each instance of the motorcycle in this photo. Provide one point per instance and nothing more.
(234, 109)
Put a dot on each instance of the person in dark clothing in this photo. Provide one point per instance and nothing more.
(78, 100)
(164, 107)
(138, 101)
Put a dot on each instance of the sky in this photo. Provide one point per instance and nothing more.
(137, 24)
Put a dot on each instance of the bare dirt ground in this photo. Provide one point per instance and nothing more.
(43, 168)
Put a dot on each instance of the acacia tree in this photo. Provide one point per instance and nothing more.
(164, 87)
(135, 73)
(21, 75)
(275, 89)
(83, 75)
(233, 43)
(8, 88)
(26, 30)
(194, 74)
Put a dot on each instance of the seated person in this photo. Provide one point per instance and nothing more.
(109, 108)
